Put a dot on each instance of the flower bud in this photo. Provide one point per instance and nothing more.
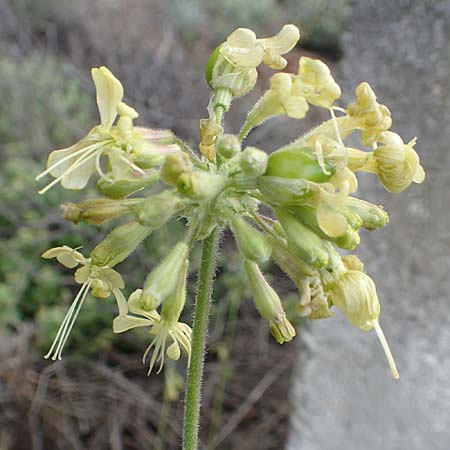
(348, 241)
(201, 185)
(251, 242)
(147, 155)
(174, 165)
(173, 305)
(157, 210)
(297, 163)
(282, 191)
(99, 210)
(352, 262)
(372, 216)
(302, 241)
(209, 132)
(119, 244)
(269, 304)
(126, 186)
(253, 161)
(162, 281)
(228, 145)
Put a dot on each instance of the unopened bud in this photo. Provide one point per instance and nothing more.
(99, 210)
(119, 244)
(251, 242)
(201, 185)
(147, 155)
(372, 216)
(173, 305)
(228, 145)
(253, 161)
(298, 163)
(348, 241)
(302, 241)
(162, 281)
(284, 191)
(126, 186)
(269, 304)
(157, 210)
(175, 165)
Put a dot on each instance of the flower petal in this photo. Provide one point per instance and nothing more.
(124, 323)
(284, 41)
(242, 38)
(65, 255)
(109, 94)
(78, 178)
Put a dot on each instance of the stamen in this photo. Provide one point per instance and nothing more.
(386, 349)
(84, 158)
(338, 108)
(320, 158)
(338, 135)
(72, 323)
(66, 158)
(133, 166)
(99, 168)
(63, 326)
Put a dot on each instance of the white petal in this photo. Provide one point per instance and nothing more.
(109, 94)
(121, 324)
(243, 38)
(284, 41)
(78, 178)
(65, 255)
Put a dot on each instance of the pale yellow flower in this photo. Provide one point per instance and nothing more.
(243, 49)
(103, 281)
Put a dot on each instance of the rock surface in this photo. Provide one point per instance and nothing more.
(343, 396)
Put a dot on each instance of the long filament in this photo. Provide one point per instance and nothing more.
(386, 349)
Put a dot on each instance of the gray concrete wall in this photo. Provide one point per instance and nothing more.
(343, 395)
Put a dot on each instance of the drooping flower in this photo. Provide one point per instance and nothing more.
(102, 281)
(169, 335)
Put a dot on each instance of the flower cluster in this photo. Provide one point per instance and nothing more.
(151, 177)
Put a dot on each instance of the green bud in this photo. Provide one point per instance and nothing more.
(119, 244)
(201, 185)
(298, 163)
(302, 241)
(228, 145)
(175, 165)
(173, 305)
(251, 242)
(372, 216)
(126, 186)
(253, 161)
(162, 281)
(99, 210)
(269, 304)
(148, 156)
(282, 191)
(158, 209)
(348, 241)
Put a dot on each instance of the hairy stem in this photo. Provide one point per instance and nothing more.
(199, 331)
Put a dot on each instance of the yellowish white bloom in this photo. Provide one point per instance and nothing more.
(102, 281)
(244, 49)
(73, 166)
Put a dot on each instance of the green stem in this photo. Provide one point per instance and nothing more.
(199, 331)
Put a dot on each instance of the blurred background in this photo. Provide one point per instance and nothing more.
(328, 389)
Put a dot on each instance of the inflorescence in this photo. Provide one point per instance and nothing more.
(150, 177)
